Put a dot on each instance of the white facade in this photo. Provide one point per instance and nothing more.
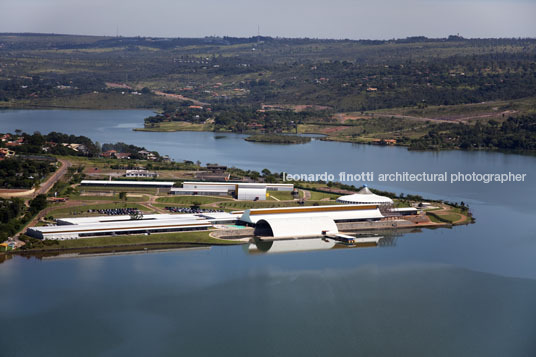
(298, 227)
(251, 194)
(200, 191)
(160, 184)
(140, 173)
(233, 186)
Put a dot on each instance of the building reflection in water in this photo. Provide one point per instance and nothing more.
(258, 246)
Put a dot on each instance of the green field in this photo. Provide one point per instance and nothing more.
(115, 197)
(241, 205)
(173, 238)
(281, 195)
(317, 196)
(450, 217)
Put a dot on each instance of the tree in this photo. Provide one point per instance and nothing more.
(38, 204)
(123, 196)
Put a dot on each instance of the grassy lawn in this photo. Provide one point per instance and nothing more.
(188, 200)
(444, 217)
(109, 198)
(317, 196)
(82, 210)
(240, 205)
(281, 195)
(183, 237)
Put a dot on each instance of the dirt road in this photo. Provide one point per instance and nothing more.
(47, 185)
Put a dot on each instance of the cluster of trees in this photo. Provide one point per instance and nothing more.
(517, 134)
(47, 87)
(52, 143)
(133, 150)
(247, 119)
(34, 144)
(14, 214)
(278, 139)
(15, 173)
(237, 118)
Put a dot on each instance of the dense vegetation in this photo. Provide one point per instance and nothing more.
(60, 144)
(346, 75)
(53, 143)
(513, 134)
(133, 150)
(15, 173)
(225, 83)
(14, 214)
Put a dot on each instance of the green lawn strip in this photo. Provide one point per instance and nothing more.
(241, 205)
(109, 198)
(317, 196)
(444, 218)
(281, 195)
(157, 238)
(188, 200)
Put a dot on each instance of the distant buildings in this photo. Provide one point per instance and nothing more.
(109, 183)
(240, 190)
(77, 147)
(140, 173)
(5, 153)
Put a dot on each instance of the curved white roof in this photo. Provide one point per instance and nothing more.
(365, 196)
(300, 226)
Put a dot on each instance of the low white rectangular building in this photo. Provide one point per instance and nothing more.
(234, 186)
(200, 191)
(111, 183)
(140, 173)
(118, 225)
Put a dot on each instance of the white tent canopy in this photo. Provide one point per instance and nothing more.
(365, 196)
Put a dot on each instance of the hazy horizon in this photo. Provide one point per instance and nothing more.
(337, 19)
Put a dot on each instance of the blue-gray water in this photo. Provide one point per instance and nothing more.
(468, 291)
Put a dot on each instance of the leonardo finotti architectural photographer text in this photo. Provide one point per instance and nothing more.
(370, 176)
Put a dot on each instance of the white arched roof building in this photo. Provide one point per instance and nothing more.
(365, 196)
(312, 226)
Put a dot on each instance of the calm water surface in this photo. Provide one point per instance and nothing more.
(467, 291)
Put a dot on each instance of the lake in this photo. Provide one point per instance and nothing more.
(467, 291)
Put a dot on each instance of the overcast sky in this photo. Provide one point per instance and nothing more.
(354, 19)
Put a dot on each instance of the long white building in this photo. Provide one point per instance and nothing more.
(233, 186)
(116, 183)
(86, 227)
